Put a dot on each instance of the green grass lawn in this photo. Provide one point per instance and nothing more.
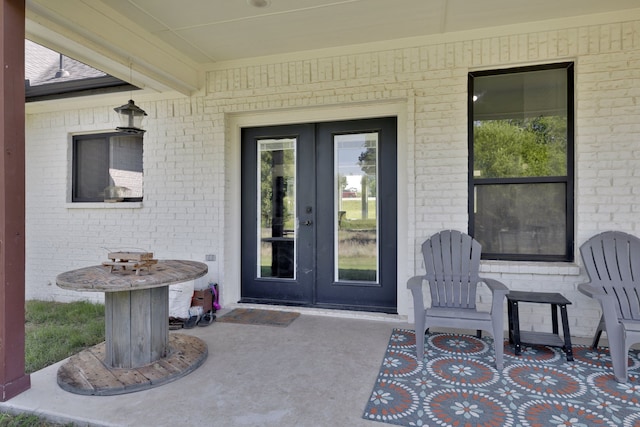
(24, 420)
(55, 331)
(353, 208)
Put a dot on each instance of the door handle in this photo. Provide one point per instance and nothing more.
(307, 222)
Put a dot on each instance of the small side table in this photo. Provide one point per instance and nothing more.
(544, 338)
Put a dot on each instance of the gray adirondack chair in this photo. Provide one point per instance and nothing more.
(452, 262)
(612, 261)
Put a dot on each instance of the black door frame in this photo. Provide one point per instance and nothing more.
(314, 292)
(286, 292)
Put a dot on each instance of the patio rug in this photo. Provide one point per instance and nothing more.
(251, 316)
(458, 385)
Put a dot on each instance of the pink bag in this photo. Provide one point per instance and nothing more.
(214, 291)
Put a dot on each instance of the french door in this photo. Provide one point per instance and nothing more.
(319, 215)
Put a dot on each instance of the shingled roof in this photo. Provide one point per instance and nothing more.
(51, 75)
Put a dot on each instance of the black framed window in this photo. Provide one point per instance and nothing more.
(107, 167)
(521, 162)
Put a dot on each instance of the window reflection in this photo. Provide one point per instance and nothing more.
(356, 233)
(277, 166)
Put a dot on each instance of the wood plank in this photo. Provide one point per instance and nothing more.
(140, 328)
(108, 329)
(132, 265)
(120, 339)
(156, 372)
(135, 256)
(98, 350)
(131, 379)
(71, 376)
(159, 334)
(120, 263)
(175, 363)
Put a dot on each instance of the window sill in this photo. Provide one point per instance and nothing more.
(530, 267)
(102, 205)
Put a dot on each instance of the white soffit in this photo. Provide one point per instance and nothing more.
(212, 31)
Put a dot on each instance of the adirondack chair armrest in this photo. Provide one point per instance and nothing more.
(498, 289)
(591, 291)
(608, 303)
(498, 292)
(415, 284)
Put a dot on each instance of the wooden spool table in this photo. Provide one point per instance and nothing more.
(138, 352)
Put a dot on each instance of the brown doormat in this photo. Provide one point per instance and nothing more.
(251, 316)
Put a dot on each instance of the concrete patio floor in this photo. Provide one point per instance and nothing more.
(318, 371)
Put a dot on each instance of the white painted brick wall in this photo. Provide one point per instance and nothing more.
(186, 182)
(179, 218)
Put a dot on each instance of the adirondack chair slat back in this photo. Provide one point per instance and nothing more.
(452, 262)
(612, 261)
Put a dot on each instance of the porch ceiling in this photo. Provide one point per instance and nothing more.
(166, 44)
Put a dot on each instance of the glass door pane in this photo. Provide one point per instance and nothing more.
(276, 208)
(356, 207)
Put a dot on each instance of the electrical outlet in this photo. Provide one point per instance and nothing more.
(210, 257)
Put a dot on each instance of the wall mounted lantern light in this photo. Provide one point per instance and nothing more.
(130, 118)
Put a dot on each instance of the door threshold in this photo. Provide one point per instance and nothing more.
(311, 311)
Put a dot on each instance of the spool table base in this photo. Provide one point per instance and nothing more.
(86, 372)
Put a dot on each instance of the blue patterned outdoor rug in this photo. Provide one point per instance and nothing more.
(458, 385)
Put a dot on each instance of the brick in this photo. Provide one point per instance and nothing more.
(188, 151)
